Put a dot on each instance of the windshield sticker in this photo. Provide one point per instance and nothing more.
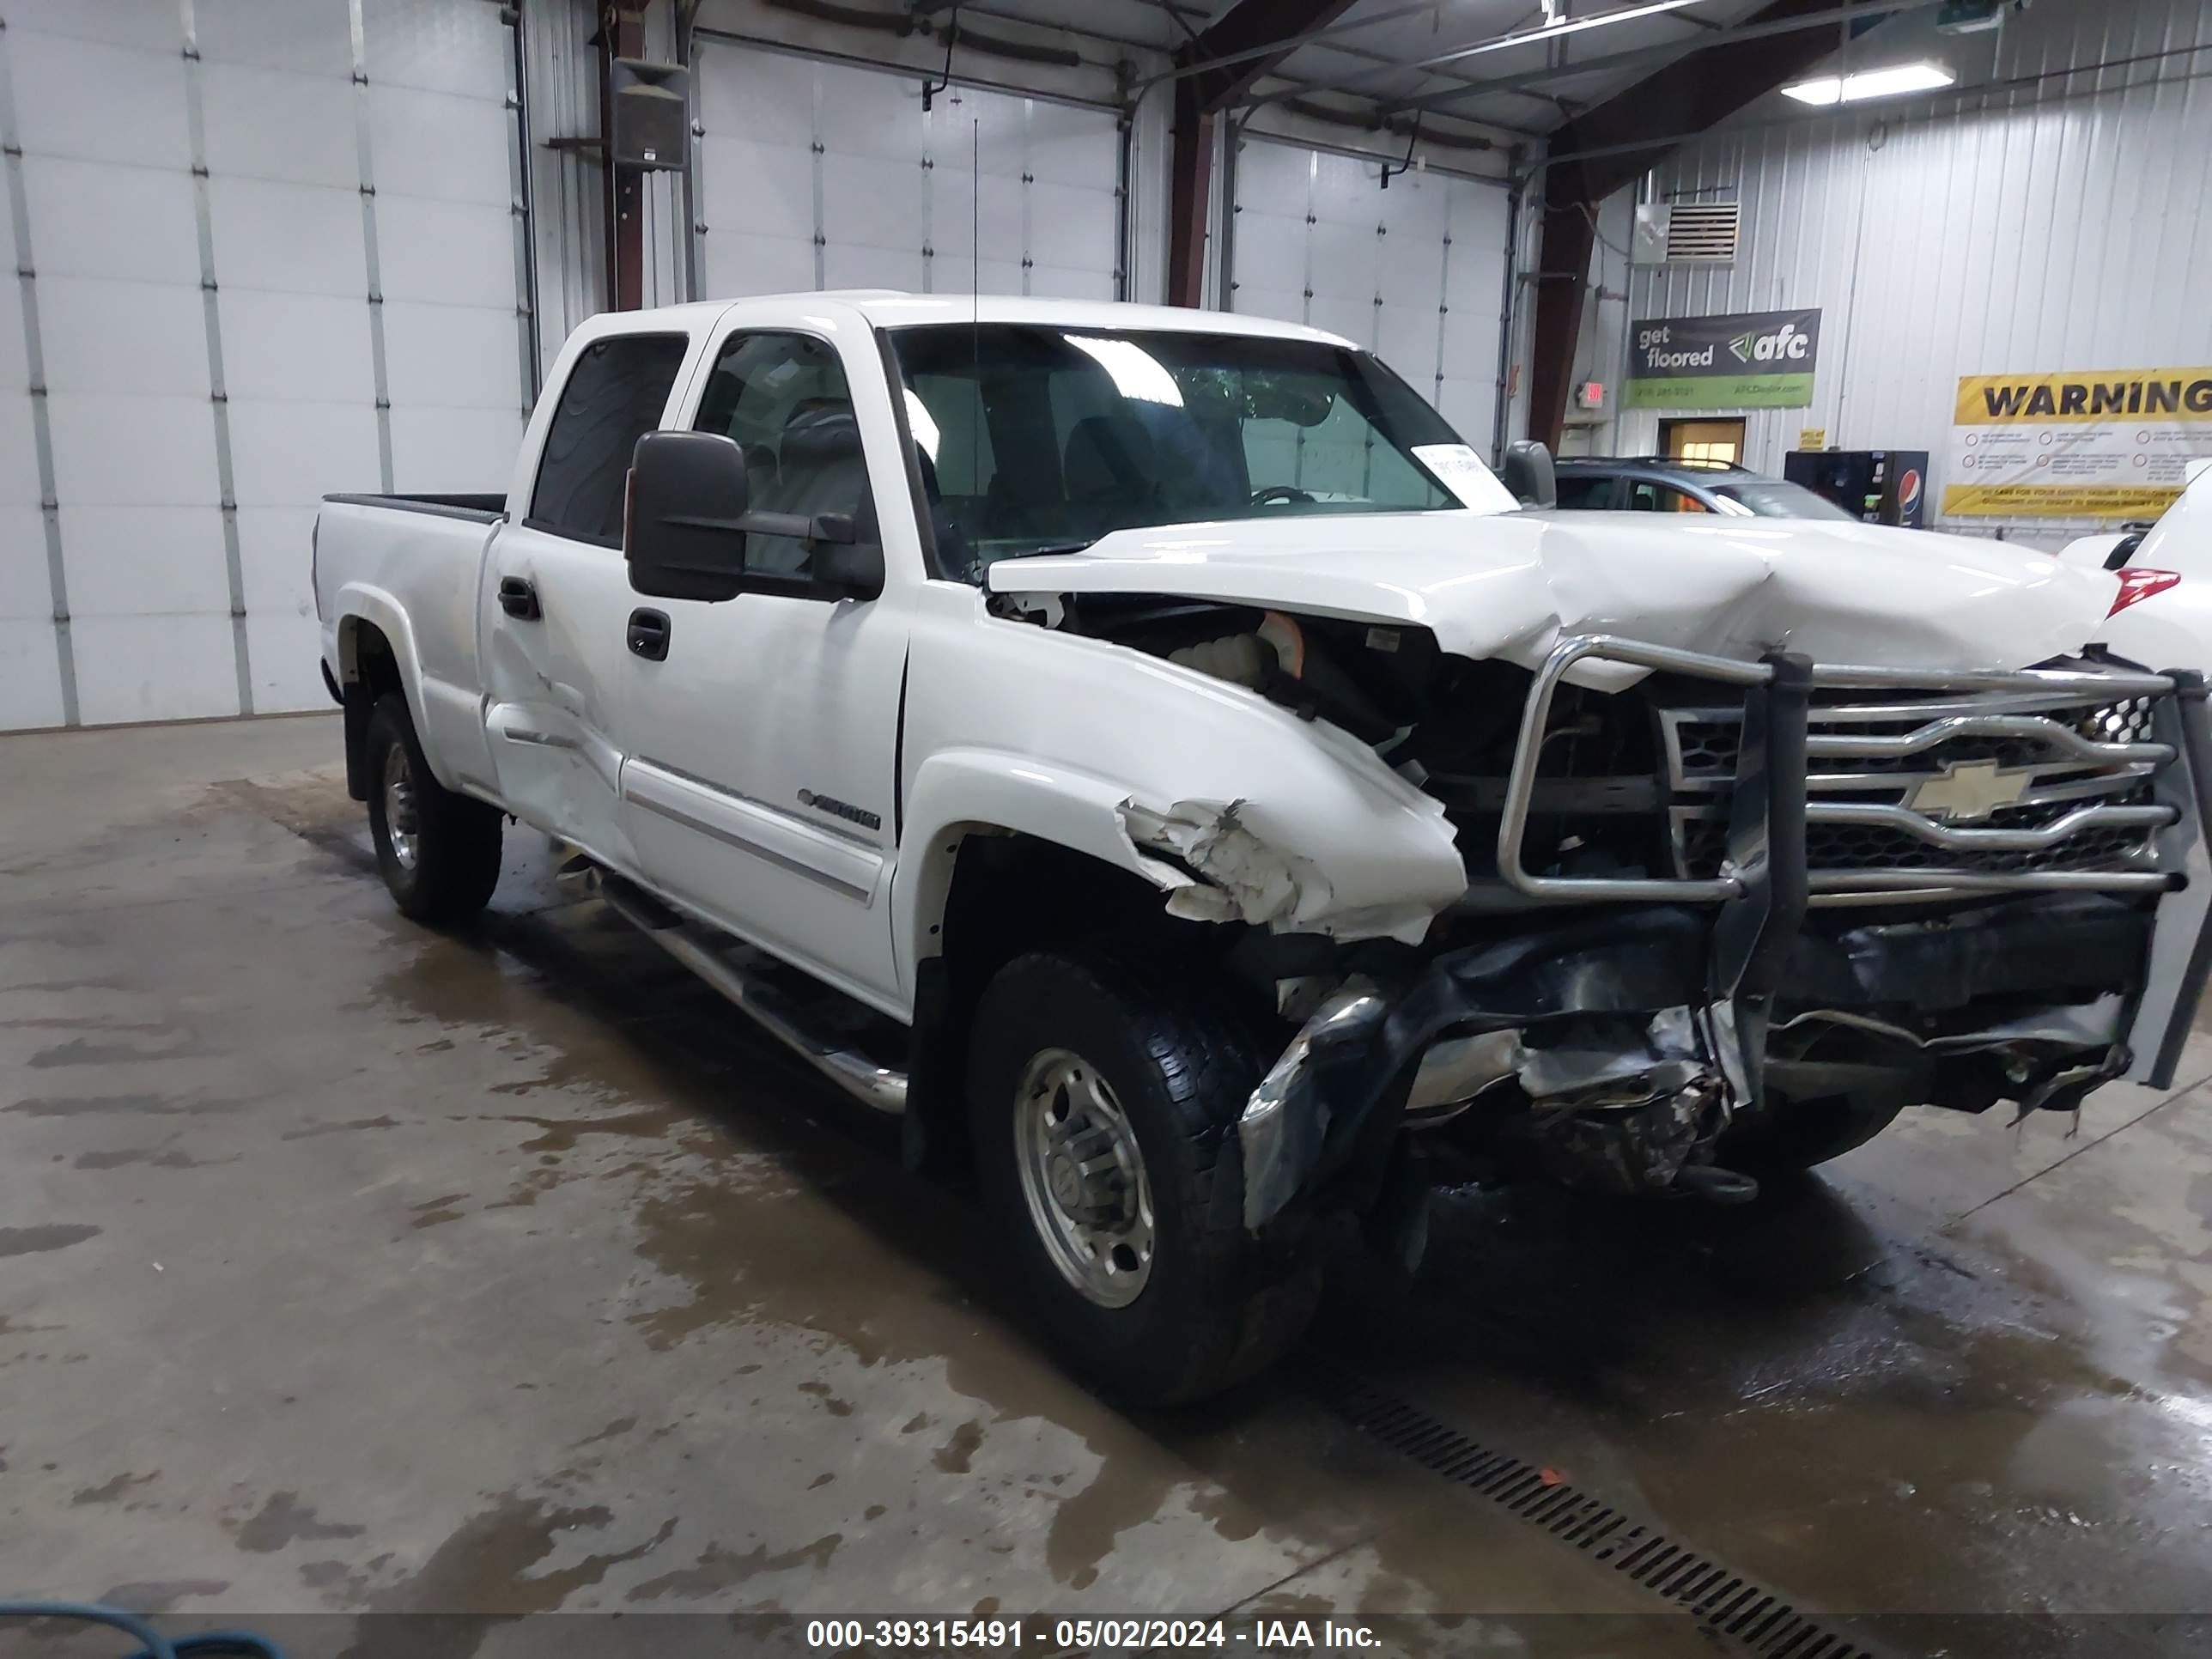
(1461, 470)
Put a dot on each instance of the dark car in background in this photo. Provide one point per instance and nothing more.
(1660, 483)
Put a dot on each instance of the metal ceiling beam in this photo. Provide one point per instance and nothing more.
(1277, 49)
(1249, 39)
(1631, 132)
(1565, 28)
(1761, 25)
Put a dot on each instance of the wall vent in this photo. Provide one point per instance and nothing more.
(1687, 233)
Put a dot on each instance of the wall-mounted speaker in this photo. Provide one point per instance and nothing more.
(652, 114)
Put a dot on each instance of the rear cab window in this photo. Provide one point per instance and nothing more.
(616, 393)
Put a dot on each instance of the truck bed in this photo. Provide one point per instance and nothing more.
(485, 507)
(410, 566)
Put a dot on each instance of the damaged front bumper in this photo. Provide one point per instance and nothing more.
(2101, 970)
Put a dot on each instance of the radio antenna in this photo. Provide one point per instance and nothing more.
(975, 294)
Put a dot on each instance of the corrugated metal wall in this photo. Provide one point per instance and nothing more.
(2058, 221)
(261, 249)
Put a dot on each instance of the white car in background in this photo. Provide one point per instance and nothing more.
(2170, 562)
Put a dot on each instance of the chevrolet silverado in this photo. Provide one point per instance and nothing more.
(1152, 752)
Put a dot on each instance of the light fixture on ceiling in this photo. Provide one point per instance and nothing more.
(1862, 84)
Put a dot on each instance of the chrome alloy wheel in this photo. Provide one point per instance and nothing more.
(1083, 1177)
(403, 819)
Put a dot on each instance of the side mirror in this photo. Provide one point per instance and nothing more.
(855, 572)
(845, 566)
(1528, 473)
(683, 537)
(689, 512)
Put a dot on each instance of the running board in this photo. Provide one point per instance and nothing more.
(876, 1086)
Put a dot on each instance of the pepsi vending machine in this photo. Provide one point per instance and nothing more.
(1882, 486)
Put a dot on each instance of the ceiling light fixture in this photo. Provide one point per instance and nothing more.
(1871, 84)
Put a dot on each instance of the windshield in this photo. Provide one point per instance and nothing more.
(1775, 498)
(1037, 439)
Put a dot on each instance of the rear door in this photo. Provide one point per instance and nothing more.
(556, 596)
(762, 780)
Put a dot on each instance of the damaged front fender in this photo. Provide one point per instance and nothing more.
(1245, 870)
(1248, 880)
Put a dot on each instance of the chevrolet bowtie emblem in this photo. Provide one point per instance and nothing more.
(1966, 789)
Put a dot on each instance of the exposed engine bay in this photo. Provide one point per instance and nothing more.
(1618, 1048)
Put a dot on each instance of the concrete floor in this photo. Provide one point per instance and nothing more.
(348, 1268)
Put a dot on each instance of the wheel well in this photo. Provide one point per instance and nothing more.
(1012, 893)
(368, 668)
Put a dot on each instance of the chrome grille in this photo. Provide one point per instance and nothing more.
(1945, 787)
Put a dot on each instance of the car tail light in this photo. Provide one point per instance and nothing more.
(2137, 583)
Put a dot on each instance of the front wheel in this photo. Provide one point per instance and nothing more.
(1100, 1103)
(438, 851)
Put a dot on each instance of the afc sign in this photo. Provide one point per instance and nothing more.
(1742, 359)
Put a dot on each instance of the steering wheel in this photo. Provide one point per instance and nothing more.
(1280, 493)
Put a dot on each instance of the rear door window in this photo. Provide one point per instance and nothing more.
(615, 395)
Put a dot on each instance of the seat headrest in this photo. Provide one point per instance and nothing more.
(820, 430)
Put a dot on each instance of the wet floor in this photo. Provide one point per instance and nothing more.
(348, 1268)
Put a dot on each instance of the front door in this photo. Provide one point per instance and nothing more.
(1703, 440)
(556, 595)
(762, 777)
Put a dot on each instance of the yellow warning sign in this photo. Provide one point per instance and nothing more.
(2082, 444)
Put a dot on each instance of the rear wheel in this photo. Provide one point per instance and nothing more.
(1100, 1102)
(438, 851)
(1798, 1134)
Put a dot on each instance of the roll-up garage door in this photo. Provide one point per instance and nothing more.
(1414, 272)
(816, 175)
(267, 250)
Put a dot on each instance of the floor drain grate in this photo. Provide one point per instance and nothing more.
(1724, 1602)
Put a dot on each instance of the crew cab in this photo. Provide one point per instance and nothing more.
(1149, 751)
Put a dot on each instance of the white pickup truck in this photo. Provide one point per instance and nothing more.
(1147, 749)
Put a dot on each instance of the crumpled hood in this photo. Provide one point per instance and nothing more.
(1507, 585)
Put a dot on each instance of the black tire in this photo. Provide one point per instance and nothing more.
(1796, 1134)
(1214, 1309)
(454, 862)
